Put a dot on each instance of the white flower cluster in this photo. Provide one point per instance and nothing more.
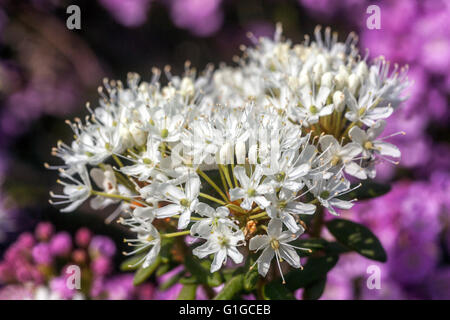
(238, 154)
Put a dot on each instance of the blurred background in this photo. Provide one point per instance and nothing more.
(48, 73)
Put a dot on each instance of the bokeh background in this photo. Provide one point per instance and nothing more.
(48, 73)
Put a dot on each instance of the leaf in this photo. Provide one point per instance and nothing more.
(315, 290)
(187, 292)
(251, 279)
(232, 288)
(188, 280)
(314, 269)
(358, 238)
(144, 273)
(162, 269)
(129, 264)
(172, 280)
(200, 270)
(277, 291)
(312, 243)
(369, 189)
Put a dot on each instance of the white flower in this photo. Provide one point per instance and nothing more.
(106, 180)
(366, 109)
(145, 163)
(222, 243)
(182, 202)
(251, 190)
(147, 235)
(312, 106)
(342, 155)
(276, 244)
(75, 191)
(215, 218)
(286, 204)
(327, 191)
(370, 145)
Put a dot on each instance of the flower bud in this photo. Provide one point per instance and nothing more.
(187, 87)
(361, 70)
(339, 101)
(253, 154)
(353, 83)
(226, 154)
(240, 152)
(327, 80)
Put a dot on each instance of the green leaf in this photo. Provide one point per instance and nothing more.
(358, 238)
(314, 269)
(276, 291)
(315, 290)
(201, 271)
(232, 288)
(129, 264)
(187, 292)
(188, 280)
(172, 280)
(162, 269)
(369, 189)
(144, 273)
(251, 279)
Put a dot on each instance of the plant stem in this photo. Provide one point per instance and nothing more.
(212, 183)
(175, 234)
(259, 215)
(207, 196)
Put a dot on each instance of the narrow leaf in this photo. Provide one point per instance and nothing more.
(275, 290)
(232, 288)
(187, 292)
(358, 238)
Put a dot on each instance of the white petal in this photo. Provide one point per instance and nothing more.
(218, 260)
(264, 261)
(168, 211)
(355, 170)
(258, 242)
(241, 175)
(235, 255)
(387, 149)
(289, 254)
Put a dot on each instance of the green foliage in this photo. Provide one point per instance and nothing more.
(200, 271)
(369, 189)
(357, 238)
(143, 274)
(232, 288)
(130, 264)
(316, 268)
(275, 290)
(187, 292)
(315, 290)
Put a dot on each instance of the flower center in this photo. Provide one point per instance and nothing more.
(313, 110)
(147, 161)
(362, 111)
(280, 176)
(335, 160)
(275, 244)
(368, 145)
(325, 194)
(164, 133)
(185, 202)
(251, 192)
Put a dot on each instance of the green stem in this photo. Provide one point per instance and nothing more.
(227, 175)
(117, 160)
(207, 196)
(175, 234)
(212, 183)
(259, 215)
